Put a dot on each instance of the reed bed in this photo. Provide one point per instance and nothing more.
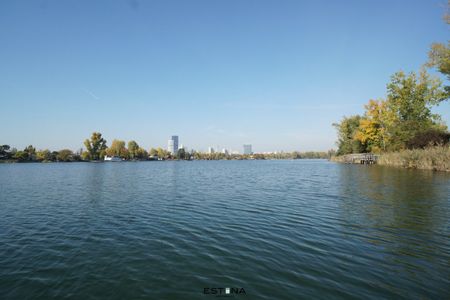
(432, 158)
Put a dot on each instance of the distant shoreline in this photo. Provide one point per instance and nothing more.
(97, 150)
(148, 160)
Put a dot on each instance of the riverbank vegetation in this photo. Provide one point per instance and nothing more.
(402, 128)
(431, 158)
(404, 120)
(96, 149)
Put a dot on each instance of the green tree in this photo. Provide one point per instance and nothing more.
(54, 155)
(153, 152)
(141, 153)
(85, 155)
(44, 155)
(181, 154)
(347, 129)
(162, 153)
(28, 154)
(439, 55)
(410, 98)
(439, 58)
(21, 156)
(95, 146)
(133, 149)
(31, 153)
(117, 148)
(65, 155)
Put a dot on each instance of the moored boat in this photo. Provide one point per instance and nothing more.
(112, 158)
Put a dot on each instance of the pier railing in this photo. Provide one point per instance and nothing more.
(361, 158)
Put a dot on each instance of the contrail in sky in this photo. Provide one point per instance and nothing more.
(91, 94)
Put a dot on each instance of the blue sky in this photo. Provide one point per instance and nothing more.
(275, 74)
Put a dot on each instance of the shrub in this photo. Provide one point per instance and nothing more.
(431, 137)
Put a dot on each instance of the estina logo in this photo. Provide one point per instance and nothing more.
(223, 292)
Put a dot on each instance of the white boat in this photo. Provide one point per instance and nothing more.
(112, 158)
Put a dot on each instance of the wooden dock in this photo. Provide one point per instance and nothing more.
(361, 158)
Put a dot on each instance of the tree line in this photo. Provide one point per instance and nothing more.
(404, 120)
(97, 148)
(30, 154)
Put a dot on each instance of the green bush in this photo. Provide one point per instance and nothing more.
(431, 137)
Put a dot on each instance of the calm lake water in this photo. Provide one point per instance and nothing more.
(168, 230)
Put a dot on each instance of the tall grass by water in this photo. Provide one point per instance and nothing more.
(431, 158)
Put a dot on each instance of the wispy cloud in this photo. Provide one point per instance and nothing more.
(95, 97)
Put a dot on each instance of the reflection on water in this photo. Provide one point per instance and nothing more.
(389, 197)
(405, 212)
(166, 230)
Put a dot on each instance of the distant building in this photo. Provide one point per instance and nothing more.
(172, 145)
(225, 151)
(248, 149)
(210, 150)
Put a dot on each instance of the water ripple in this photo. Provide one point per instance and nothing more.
(279, 229)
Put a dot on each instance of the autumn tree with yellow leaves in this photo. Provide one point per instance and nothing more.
(405, 115)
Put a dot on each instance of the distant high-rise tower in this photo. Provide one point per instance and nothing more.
(248, 149)
(172, 145)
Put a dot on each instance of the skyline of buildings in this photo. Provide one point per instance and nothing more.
(173, 146)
